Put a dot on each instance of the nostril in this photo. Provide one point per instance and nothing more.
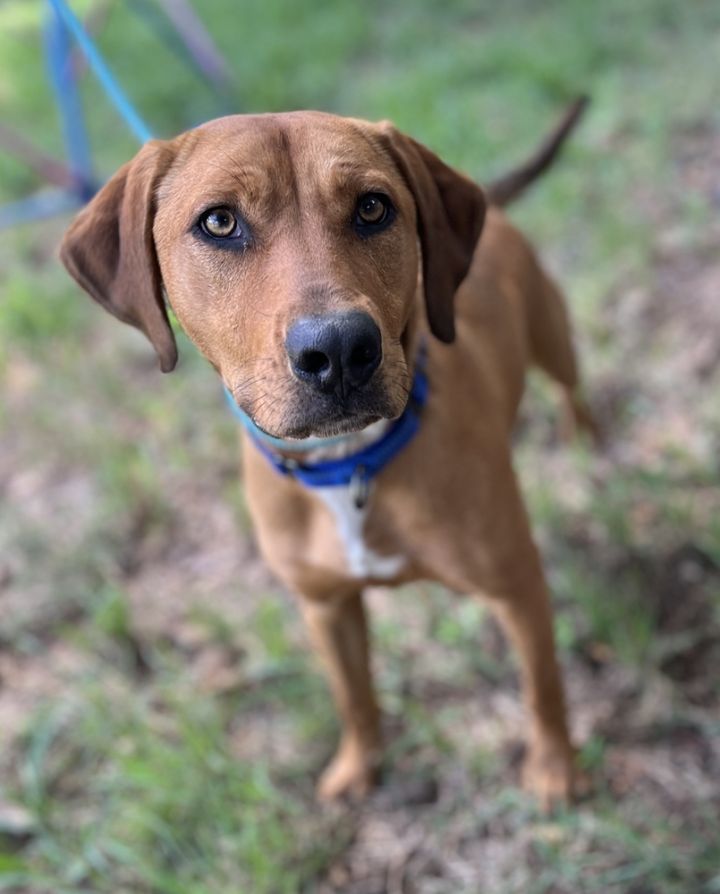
(313, 362)
(362, 355)
(362, 349)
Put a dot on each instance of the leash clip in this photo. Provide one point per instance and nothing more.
(360, 487)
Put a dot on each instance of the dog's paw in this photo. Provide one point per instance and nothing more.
(551, 774)
(352, 772)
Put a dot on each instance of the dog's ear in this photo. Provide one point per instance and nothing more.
(109, 249)
(450, 215)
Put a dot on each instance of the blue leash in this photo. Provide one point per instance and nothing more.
(102, 72)
(61, 24)
(64, 84)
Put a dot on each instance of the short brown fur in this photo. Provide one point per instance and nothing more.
(449, 503)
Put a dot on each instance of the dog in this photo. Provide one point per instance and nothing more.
(372, 314)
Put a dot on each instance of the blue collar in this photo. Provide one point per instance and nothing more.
(357, 469)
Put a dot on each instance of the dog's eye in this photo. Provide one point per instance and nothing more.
(372, 212)
(220, 223)
(371, 209)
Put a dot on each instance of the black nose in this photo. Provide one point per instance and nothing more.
(334, 352)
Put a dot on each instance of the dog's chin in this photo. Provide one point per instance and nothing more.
(344, 426)
(331, 421)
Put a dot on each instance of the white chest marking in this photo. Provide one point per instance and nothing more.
(362, 561)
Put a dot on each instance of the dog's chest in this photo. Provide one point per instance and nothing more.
(361, 559)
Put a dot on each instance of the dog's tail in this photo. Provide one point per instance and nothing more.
(507, 188)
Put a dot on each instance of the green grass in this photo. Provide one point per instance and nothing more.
(146, 797)
(120, 483)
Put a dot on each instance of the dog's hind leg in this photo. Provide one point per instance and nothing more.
(552, 349)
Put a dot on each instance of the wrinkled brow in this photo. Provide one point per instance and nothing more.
(343, 173)
(216, 174)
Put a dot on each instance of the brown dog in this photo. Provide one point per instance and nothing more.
(313, 259)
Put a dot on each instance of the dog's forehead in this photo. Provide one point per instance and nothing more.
(300, 141)
(293, 130)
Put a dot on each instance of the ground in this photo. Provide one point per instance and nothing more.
(162, 722)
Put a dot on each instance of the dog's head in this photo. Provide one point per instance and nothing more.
(290, 249)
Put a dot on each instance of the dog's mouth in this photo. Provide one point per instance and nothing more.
(330, 428)
(326, 416)
(290, 410)
(329, 417)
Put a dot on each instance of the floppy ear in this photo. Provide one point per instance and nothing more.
(109, 249)
(450, 215)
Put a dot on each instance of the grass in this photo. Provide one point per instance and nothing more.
(165, 806)
(163, 721)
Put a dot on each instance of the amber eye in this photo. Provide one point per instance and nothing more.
(373, 209)
(220, 223)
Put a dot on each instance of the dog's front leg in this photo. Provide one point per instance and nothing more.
(338, 630)
(549, 768)
(491, 552)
